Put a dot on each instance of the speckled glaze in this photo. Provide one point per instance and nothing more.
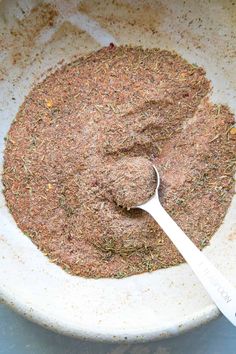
(142, 307)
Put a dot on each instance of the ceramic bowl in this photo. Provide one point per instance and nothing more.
(142, 307)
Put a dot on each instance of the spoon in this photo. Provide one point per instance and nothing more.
(217, 286)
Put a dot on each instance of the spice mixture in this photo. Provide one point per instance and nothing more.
(130, 181)
(80, 121)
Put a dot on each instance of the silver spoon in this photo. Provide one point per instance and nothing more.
(217, 286)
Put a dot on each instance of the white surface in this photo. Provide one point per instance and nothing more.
(141, 307)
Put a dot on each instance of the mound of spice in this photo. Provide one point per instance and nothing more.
(131, 181)
(86, 117)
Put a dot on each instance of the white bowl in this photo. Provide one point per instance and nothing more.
(146, 306)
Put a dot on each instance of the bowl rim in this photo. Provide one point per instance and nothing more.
(207, 314)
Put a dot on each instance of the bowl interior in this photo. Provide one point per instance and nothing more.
(140, 307)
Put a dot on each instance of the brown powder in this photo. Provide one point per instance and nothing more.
(80, 121)
(130, 181)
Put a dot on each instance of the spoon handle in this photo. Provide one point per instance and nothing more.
(217, 286)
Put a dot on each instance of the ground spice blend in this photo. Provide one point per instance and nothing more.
(131, 181)
(115, 103)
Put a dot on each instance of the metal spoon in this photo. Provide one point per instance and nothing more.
(219, 288)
